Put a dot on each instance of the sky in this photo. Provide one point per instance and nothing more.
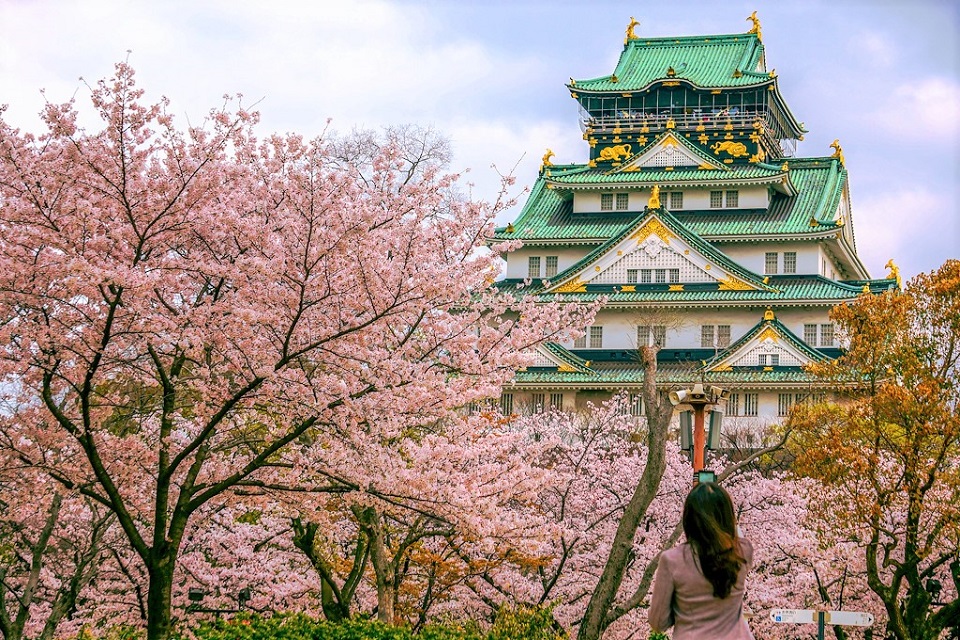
(882, 76)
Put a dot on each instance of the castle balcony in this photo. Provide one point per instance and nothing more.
(639, 123)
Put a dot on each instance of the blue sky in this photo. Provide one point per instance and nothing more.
(882, 76)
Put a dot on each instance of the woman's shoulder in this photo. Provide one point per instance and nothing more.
(746, 549)
(680, 553)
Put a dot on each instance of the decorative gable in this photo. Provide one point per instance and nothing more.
(671, 150)
(659, 255)
(769, 344)
(552, 355)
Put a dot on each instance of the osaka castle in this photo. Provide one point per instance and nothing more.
(700, 226)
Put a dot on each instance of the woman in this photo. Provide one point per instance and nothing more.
(699, 584)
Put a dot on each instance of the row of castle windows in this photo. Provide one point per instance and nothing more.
(772, 266)
(738, 404)
(711, 337)
(672, 200)
(533, 267)
(771, 263)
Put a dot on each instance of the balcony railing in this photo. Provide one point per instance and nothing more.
(627, 123)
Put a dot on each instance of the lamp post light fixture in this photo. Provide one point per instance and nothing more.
(693, 434)
(196, 596)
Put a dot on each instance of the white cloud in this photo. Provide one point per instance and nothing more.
(913, 226)
(925, 108)
(873, 48)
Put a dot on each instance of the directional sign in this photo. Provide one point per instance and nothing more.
(833, 618)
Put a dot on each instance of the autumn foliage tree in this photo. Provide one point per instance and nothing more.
(888, 453)
(191, 312)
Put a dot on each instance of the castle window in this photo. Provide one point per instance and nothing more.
(733, 198)
(770, 263)
(645, 275)
(706, 336)
(596, 337)
(733, 404)
(631, 276)
(750, 404)
(674, 275)
(581, 342)
(676, 199)
(636, 404)
(715, 336)
(506, 403)
(533, 267)
(644, 333)
(716, 199)
(551, 266)
(790, 262)
(769, 359)
(826, 335)
(784, 404)
(606, 202)
(556, 401)
(661, 276)
(623, 201)
(723, 336)
(810, 334)
(537, 402)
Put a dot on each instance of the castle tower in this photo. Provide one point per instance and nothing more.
(698, 224)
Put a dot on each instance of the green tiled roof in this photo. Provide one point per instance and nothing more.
(785, 290)
(736, 174)
(622, 374)
(567, 357)
(548, 213)
(703, 61)
(819, 183)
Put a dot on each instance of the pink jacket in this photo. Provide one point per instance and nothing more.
(683, 598)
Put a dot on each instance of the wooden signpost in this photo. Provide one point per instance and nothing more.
(822, 618)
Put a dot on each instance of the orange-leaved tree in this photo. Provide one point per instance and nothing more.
(888, 453)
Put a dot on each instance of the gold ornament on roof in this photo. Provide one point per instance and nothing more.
(733, 284)
(654, 202)
(894, 273)
(615, 152)
(546, 158)
(735, 149)
(651, 227)
(573, 286)
(769, 315)
(509, 228)
(756, 25)
(837, 151)
(631, 29)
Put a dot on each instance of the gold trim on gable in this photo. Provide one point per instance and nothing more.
(652, 227)
(769, 332)
(565, 368)
(574, 286)
(734, 284)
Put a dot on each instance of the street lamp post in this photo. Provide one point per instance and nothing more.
(696, 401)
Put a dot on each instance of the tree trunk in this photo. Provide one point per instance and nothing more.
(159, 590)
(384, 570)
(658, 419)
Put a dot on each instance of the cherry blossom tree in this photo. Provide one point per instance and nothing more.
(51, 542)
(195, 314)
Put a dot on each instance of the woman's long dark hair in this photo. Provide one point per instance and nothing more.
(711, 529)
